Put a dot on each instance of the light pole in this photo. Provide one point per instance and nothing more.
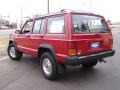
(21, 13)
(48, 6)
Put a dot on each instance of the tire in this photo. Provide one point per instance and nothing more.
(49, 66)
(88, 65)
(13, 53)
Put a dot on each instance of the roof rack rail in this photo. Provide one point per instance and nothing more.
(65, 10)
(68, 10)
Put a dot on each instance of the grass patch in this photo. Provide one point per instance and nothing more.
(3, 44)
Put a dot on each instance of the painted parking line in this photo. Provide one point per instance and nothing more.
(4, 58)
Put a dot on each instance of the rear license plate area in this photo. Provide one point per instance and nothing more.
(95, 45)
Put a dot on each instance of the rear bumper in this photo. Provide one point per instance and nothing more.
(77, 60)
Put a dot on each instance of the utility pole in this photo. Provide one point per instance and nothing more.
(21, 14)
(48, 6)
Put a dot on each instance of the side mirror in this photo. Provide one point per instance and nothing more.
(17, 32)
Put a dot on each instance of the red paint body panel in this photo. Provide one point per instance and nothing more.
(83, 42)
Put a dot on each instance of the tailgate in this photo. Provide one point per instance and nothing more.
(93, 43)
(91, 33)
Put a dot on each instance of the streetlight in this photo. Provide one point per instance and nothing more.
(21, 12)
(48, 6)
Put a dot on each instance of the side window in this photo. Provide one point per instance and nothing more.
(42, 26)
(27, 27)
(55, 25)
(38, 26)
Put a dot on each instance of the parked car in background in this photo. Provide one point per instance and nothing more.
(3, 27)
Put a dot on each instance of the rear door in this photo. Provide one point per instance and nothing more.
(56, 34)
(91, 33)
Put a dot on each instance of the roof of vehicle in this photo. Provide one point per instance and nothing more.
(67, 11)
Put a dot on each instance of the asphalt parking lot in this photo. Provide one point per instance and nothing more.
(26, 74)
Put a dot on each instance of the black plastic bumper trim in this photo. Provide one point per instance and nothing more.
(78, 60)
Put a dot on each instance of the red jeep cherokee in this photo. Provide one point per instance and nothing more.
(64, 38)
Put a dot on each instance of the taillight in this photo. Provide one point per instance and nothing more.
(111, 42)
(72, 50)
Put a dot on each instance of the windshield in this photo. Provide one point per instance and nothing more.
(87, 23)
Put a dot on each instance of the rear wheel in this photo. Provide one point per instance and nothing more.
(91, 64)
(49, 66)
(13, 53)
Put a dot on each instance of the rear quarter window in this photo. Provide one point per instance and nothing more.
(55, 25)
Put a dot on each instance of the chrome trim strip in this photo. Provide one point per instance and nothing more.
(61, 55)
(27, 48)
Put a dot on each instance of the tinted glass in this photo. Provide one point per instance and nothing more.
(42, 26)
(55, 25)
(37, 24)
(87, 23)
(27, 27)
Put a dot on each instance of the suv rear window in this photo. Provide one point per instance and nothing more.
(88, 23)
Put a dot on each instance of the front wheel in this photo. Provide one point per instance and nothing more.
(49, 66)
(89, 64)
(13, 53)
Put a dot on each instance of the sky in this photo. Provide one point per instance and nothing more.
(14, 9)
